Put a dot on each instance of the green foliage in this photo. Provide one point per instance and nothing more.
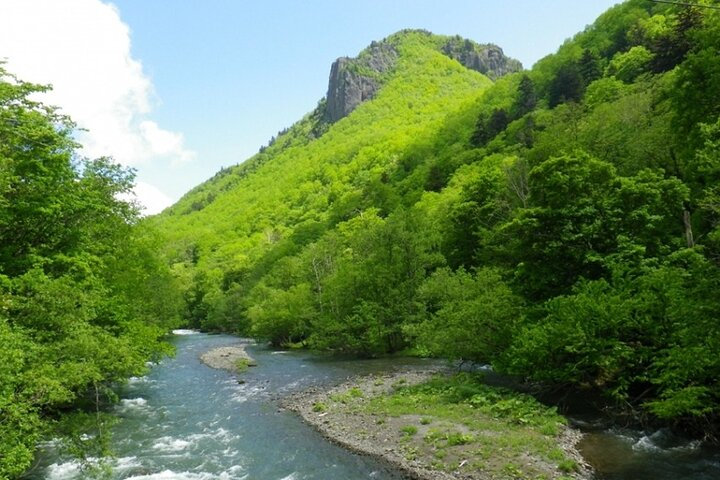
(581, 215)
(85, 297)
(566, 86)
(629, 65)
(560, 223)
(319, 407)
(696, 83)
(636, 337)
(242, 364)
(471, 315)
(348, 395)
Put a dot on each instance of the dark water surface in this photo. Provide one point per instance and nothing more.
(186, 421)
(627, 454)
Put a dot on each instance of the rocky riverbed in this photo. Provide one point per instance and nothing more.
(406, 442)
(233, 358)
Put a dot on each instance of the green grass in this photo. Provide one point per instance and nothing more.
(319, 407)
(568, 466)
(347, 396)
(242, 364)
(494, 429)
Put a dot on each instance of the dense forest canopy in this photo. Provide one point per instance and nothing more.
(85, 298)
(560, 224)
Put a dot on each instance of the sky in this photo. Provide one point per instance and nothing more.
(178, 89)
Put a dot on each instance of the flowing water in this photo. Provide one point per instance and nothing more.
(629, 454)
(186, 421)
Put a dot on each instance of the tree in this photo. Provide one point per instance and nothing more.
(565, 226)
(589, 67)
(673, 43)
(76, 268)
(581, 214)
(627, 66)
(489, 127)
(696, 88)
(470, 316)
(282, 316)
(645, 338)
(526, 99)
(370, 293)
(566, 86)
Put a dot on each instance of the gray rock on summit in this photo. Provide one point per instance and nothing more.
(355, 80)
(487, 59)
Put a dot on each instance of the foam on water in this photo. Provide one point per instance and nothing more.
(185, 331)
(126, 463)
(73, 469)
(170, 444)
(663, 441)
(52, 443)
(245, 393)
(219, 435)
(63, 471)
(645, 444)
(133, 403)
(139, 380)
(688, 447)
(171, 475)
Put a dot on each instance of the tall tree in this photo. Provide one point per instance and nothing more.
(78, 281)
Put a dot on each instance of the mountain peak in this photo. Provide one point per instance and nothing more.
(488, 59)
(355, 80)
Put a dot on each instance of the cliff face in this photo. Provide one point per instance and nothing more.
(355, 80)
(487, 59)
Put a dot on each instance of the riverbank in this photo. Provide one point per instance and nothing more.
(431, 426)
(233, 358)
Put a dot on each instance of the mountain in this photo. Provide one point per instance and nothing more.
(322, 171)
(355, 80)
(560, 223)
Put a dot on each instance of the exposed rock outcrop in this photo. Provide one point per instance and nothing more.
(355, 80)
(487, 59)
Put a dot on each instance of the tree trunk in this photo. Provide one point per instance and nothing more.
(688, 229)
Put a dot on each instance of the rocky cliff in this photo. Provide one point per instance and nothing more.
(354, 80)
(487, 59)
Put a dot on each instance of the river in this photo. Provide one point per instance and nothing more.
(186, 421)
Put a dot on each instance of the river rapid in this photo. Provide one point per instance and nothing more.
(187, 421)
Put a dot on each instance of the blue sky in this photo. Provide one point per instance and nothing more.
(209, 82)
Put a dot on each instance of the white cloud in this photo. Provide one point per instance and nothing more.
(82, 48)
(163, 142)
(152, 199)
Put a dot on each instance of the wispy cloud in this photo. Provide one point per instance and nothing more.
(82, 48)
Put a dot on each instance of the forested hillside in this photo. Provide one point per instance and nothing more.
(85, 299)
(560, 223)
